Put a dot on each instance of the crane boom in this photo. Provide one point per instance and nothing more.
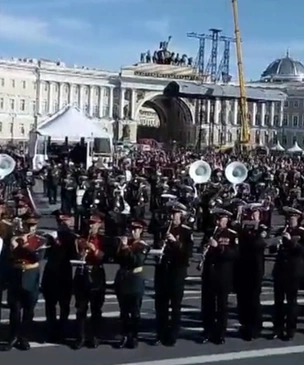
(245, 130)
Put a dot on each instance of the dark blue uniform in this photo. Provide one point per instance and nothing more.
(23, 288)
(130, 287)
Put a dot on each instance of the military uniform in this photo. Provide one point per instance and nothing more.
(249, 274)
(217, 278)
(287, 274)
(169, 280)
(23, 285)
(57, 279)
(130, 286)
(90, 285)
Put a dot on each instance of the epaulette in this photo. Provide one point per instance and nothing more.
(232, 231)
(301, 228)
(186, 227)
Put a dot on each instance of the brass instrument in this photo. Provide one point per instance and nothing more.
(206, 250)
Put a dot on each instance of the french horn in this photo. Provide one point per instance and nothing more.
(7, 165)
(200, 172)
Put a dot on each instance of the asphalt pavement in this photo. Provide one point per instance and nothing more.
(188, 349)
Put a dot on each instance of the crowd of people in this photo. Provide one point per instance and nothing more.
(104, 212)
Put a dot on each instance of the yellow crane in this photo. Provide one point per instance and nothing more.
(245, 128)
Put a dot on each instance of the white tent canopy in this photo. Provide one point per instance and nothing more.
(278, 147)
(72, 123)
(295, 148)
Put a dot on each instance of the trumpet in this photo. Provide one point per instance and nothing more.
(205, 251)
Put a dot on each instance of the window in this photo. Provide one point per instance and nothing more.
(86, 90)
(274, 138)
(229, 137)
(45, 106)
(86, 108)
(106, 92)
(12, 104)
(46, 87)
(267, 120)
(285, 120)
(22, 130)
(24, 84)
(13, 83)
(286, 104)
(257, 137)
(11, 127)
(296, 104)
(22, 105)
(1, 103)
(96, 91)
(257, 119)
(294, 139)
(2, 82)
(105, 111)
(219, 138)
(266, 138)
(284, 140)
(95, 111)
(276, 121)
(295, 120)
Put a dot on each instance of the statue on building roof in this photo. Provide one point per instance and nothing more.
(163, 56)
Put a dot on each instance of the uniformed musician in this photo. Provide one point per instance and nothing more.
(23, 282)
(129, 283)
(287, 274)
(57, 279)
(170, 275)
(90, 282)
(220, 253)
(250, 271)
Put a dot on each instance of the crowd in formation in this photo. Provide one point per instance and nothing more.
(102, 219)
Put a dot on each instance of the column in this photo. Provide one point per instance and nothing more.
(91, 91)
(208, 111)
(272, 112)
(60, 95)
(121, 103)
(111, 102)
(51, 96)
(235, 111)
(217, 108)
(71, 90)
(263, 114)
(133, 104)
(281, 114)
(254, 114)
(100, 102)
(80, 100)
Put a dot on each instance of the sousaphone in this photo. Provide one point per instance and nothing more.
(236, 173)
(200, 172)
(7, 165)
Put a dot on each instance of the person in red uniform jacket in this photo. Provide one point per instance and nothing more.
(90, 283)
(23, 282)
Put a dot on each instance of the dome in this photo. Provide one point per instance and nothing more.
(284, 69)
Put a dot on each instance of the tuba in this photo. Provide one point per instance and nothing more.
(7, 165)
(236, 173)
(200, 172)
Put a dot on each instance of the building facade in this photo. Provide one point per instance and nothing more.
(287, 75)
(32, 90)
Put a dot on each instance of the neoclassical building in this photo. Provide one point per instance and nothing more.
(31, 90)
(287, 75)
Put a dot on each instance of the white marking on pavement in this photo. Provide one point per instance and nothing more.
(228, 356)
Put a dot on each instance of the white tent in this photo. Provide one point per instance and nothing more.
(295, 148)
(72, 123)
(278, 147)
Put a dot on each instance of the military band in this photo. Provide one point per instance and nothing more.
(107, 224)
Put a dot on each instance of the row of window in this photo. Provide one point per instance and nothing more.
(293, 103)
(13, 128)
(46, 87)
(21, 106)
